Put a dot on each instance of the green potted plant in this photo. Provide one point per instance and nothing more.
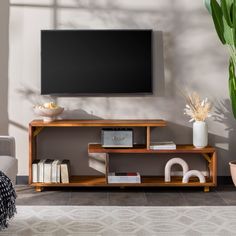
(223, 13)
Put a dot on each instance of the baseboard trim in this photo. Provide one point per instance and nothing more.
(221, 180)
(22, 179)
(224, 180)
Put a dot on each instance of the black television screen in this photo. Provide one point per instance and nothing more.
(96, 62)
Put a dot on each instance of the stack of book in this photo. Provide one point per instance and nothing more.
(169, 145)
(50, 171)
(115, 177)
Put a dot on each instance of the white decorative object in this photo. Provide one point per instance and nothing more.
(200, 134)
(172, 162)
(198, 110)
(49, 111)
(191, 173)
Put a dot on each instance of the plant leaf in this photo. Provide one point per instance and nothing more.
(217, 16)
(208, 5)
(226, 6)
(228, 33)
(232, 86)
(234, 20)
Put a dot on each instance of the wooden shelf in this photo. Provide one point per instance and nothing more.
(99, 123)
(97, 148)
(209, 153)
(77, 181)
(158, 181)
(146, 181)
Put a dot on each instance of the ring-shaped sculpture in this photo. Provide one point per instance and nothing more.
(191, 173)
(172, 162)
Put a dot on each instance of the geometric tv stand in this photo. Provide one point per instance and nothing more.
(209, 154)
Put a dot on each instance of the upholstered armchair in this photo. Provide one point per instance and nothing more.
(8, 161)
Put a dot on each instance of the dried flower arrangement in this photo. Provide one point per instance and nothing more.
(197, 109)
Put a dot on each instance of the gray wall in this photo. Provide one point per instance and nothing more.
(194, 59)
(4, 48)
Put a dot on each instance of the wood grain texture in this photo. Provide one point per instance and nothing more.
(101, 181)
(213, 168)
(146, 181)
(148, 137)
(99, 123)
(97, 148)
(76, 181)
(31, 152)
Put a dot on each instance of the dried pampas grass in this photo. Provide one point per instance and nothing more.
(197, 109)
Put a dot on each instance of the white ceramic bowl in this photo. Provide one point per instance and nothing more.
(48, 114)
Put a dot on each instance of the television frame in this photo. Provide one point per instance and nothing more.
(91, 94)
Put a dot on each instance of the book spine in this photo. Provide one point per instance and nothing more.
(54, 172)
(124, 179)
(41, 172)
(58, 173)
(35, 173)
(111, 180)
(126, 174)
(47, 173)
(64, 173)
(162, 148)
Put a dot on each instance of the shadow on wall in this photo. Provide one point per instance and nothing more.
(183, 135)
(180, 37)
(34, 97)
(104, 13)
(224, 115)
(78, 114)
(80, 14)
(4, 52)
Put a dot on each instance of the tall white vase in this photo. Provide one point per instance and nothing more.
(200, 134)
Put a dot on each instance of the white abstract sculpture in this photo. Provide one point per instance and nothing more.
(170, 163)
(191, 173)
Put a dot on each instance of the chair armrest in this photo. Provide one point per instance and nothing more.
(7, 146)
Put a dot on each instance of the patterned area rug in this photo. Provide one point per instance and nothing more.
(122, 221)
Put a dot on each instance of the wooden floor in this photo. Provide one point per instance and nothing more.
(184, 196)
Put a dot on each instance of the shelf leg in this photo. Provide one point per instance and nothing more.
(38, 189)
(148, 137)
(206, 189)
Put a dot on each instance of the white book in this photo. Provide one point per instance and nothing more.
(48, 171)
(54, 171)
(113, 178)
(65, 171)
(169, 145)
(41, 171)
(59, 172)
(35, 173)
(55, 167)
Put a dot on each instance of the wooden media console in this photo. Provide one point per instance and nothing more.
(208, 153)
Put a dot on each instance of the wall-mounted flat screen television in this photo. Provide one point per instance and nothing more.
(76, 62)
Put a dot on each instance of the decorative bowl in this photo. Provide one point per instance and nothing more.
(48, 114)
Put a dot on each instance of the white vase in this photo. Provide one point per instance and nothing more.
(200, 134)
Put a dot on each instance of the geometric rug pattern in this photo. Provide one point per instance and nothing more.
(122, 221)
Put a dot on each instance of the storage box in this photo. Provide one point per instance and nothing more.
(115, 138)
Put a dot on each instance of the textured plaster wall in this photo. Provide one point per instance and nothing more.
(193, 58)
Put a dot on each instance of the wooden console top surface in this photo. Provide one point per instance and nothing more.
(99, 123)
